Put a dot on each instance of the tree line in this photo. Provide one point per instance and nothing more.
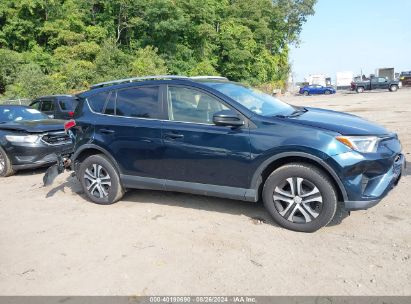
(63, 46)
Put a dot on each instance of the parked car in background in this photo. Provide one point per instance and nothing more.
(214, 137)
(375, 83)
(405, 79)
(314, 89)
(56, 106)
(29, 139)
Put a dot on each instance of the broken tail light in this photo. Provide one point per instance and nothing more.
(69, 124)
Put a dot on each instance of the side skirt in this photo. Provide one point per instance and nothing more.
(138, 182)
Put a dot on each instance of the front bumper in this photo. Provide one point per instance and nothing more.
(375, 189)
(29, 156)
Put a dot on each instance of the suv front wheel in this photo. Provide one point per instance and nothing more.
(300, 197)
(100, 180)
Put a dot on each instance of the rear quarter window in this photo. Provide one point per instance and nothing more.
(98, 101)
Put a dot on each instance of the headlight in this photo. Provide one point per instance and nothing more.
(363, 144)
(23, 138)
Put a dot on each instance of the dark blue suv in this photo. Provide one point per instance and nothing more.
(210, 136)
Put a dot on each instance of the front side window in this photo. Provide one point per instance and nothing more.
(47, 106)
(190, 105)
(139, 102)
(36, 105)
(254, 100)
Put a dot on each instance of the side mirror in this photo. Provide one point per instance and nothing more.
(227, 118)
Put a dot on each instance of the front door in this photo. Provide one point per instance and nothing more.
(198, 151)
(382, 83)
(374, 83)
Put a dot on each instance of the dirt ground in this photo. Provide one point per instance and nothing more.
(54, 242)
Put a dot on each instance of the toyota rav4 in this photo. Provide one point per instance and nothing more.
(210, 136)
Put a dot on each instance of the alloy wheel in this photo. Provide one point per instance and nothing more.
(298, 200)
(98, 181)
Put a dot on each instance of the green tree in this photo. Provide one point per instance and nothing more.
(31, 82)
(112, 63)
(10, 62)
(69, 44)
(148, 62)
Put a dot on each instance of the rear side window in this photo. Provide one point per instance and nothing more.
(98, 101)
(141, 102)
(68, 104)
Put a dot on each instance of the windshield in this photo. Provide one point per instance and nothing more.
(10, 114)
(253, 99)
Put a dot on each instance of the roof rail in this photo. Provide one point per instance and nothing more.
(107, 83)
(113, 82)
(209, 77)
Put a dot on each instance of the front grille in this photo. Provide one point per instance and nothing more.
(56, 138)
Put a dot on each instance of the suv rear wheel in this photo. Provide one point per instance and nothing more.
(300, 197)
(100, 180)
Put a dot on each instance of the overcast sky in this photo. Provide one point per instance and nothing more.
(350, 35)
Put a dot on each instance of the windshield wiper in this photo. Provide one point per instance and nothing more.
(297, 112)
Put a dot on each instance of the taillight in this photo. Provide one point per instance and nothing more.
(69, 124)
(71, 114)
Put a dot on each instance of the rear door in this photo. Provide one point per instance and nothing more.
(198, 151)
(130, 129)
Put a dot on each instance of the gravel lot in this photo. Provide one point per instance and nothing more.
(54, 242)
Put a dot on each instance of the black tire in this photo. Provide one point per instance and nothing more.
(360, 90)
(393, 88)
(6, 168)
(305, 93)
(99, 167)
(327, 92)
(319, 213)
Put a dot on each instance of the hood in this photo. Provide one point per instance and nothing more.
(34, 126)
(343, 123)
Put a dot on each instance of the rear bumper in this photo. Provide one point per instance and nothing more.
(382, 185)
